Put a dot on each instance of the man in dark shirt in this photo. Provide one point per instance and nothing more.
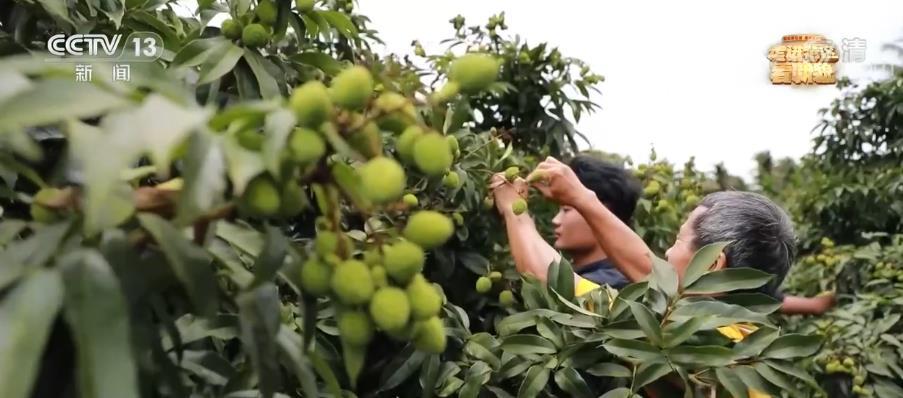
(614, 187)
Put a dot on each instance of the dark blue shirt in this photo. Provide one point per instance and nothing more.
(603, 272)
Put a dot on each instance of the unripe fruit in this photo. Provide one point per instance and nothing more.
(652, 189)
(429, 229)
(382, 179)
(453, 145)
(859, 380)
(39, 212)
(261, 197)
(304, 6)
(367, 141)
(352, 282)
(403, 260)
(451, 180)
(311, 104)
(390, 309)
(849, 362)
(327, 242)
(495, 276)
(399, 112)
(315, 277)
(410, 200)
(250, 140)
(484, 284)
(405, 143)
(488, 203)
(293, 201)
(355, 328)
(231, 29)
(378, 272)
(511, 173)
(351, 89)
(519, 206)
(266, 12)
(432, 155)
(474, 72)
(445, 93)
(692, 200)
(429, 336)
(306, 146)
(390, 102)
(459, 219)
(506, 298)
(255, 35)
(425, 300)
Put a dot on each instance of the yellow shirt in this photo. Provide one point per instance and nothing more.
(736, 332)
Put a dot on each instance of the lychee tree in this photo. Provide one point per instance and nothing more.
(270, 208)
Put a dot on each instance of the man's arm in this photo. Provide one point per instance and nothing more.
(623, 246)
(626, 249)
(796, 305)
(531, 253)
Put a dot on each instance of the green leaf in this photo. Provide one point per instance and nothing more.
(477, 375)
(32, 252)
(729, 279)
(525, 344)
(265, 81)
(477, 351)
(278, 126)
(720, 313)
(728, 378)
(752, 380)
(401, 367)
(244, 238)
(621, 392)
(702, 261)
(663, 277)
(190, 329)
(519, 321)
(534, 382)
(204, 172)
(222, 59)
(575, 307)
(569, 380)
(259, 313)
(319, 60)
(649, 372)
(209, 366)
(562, 280)
(52, 100)
(58, 9)
(98, 317)
(677, 332)
(196, 52)
(340, 22)
(777, 379)
(350, 182)
(429, 374)
(548, 329)
(638, 350)
(792, 346)
(758, 302)
(27, 313)
(190, 263)
(710, 356)
(607, 369)
(631, 292)
(647, 322)
(272, 257)
(753, 344)
(354, 358)
(790, 369)
(114, 9)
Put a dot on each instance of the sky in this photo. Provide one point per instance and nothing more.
(690, 78)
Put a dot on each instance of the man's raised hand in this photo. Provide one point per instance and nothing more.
(558, 182)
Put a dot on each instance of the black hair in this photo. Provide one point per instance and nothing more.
(615, 187)
(760, 232)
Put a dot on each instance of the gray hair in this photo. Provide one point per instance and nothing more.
(760, 231)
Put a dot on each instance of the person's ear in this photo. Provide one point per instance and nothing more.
(720, 262)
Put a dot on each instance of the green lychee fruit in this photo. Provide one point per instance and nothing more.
(453, 145)
(459, 219)
(474, 72)
(495, 276)
(315, 277)
(403, 260)
(306, 146)
(429, 229)
(261, 198)
(231, 29)
(506, 298)
(519, 206)
(255, 35)
(379, 276)
(367, 141)
(327, 242)
(432, 155)
(511, 173)
(41, 213)
(250, 140)
(410, 200)
(405, 143)
(351, 88)
(390, 309)
(652, 189)
(311, 104)
(425, 300)
(484, 284)
(355, 327)
(352, 282)
(446, 93)
(429, 336)
(266, 12)
(451, 180)
(293, 201)
(488, 203)
(382, 179)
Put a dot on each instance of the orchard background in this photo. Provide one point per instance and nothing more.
(250, 215)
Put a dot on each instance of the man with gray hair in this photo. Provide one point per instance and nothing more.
(760, 232)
